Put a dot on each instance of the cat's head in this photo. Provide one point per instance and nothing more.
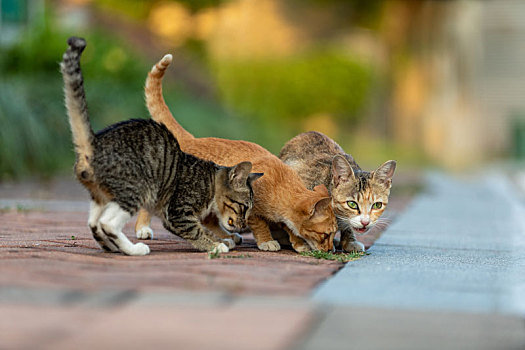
(319, 224)
(359, 197)
(234, 196)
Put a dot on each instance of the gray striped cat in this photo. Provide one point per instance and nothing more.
(138, 163)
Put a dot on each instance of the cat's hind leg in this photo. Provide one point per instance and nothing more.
(95, 211)
(111, 223)
(143, 225)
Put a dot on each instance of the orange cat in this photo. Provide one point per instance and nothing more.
(279, 196)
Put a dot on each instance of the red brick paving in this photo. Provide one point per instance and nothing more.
(136, 327)
(38, 253)
(37, 250)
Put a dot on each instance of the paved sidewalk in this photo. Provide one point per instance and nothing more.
(59, 287)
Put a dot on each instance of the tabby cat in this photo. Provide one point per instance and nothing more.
(358, 197)
(138, 163)
(280, 196)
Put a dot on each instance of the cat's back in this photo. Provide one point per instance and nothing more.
(309, 145)
(225, 152)
(310, 154)
(135, 134)
(135, 143)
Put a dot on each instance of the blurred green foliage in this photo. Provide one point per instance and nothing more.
(297, 87)
(33, 136)
(35, 139)
(139, 9)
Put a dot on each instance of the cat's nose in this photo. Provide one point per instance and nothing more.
(365, 222)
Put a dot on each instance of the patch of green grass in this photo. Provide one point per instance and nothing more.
(341, 257)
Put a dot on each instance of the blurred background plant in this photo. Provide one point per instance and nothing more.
(400, 79)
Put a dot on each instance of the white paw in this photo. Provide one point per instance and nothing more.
(229, 243)
(220, 248)
(271, 246)
(237, 238)
(354, 247)
(145, 232)
(139, 249)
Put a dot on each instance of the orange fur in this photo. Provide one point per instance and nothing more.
(279, 196)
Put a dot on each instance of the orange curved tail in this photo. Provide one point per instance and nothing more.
(157, 107)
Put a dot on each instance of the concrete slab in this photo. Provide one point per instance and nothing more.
(373, 328)
(458, 247)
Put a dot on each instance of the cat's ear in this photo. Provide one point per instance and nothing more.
(321, 206)
(254, 176)
(239, 174)
(321, 189)
(341, 170)
(384, 173)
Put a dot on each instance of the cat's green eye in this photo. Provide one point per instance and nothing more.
(377, 205)
(352, 205)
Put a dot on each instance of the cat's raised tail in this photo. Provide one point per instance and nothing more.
(77, 107)
(157, 107)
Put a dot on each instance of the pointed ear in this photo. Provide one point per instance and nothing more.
(341, 170)
(321, 189)
(239, 174)
(384, 173)
(321, 206)
(254, 176)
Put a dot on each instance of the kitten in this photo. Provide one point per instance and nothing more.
(280, 196)
(358, 197)
(138, 163)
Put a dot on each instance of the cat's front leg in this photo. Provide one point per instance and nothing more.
(142, 225)
(349, 243)
(263, 236)
(191, 229)
(298, 244)
(211, 222)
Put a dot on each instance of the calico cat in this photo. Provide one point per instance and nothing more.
(138, 163)
(280, 196)
(358, 197)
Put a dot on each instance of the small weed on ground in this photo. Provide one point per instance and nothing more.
(341, 257)
(241, 256)
(214, 255)
(22, 209)
(217, 255)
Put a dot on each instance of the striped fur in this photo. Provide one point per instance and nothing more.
(280, 196)
(138, 163)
